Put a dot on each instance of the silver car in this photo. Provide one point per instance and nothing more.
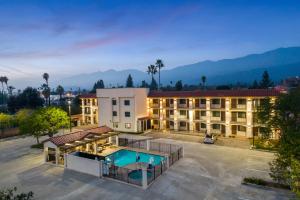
(209, 139)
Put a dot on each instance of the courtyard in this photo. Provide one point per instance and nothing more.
(205, 172)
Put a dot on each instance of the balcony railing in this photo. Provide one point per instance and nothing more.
(182, 106)
(215, 106)
(241, 106)
(183, 117)
(154, 105)
(200, 106)
(216, 118)
(168, 105)
(241, 119)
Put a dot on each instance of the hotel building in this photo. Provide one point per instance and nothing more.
(89, 109)
(224, 112)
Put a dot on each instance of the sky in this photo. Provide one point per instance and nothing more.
(67, 37)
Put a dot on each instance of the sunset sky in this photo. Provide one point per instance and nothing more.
(71, 37)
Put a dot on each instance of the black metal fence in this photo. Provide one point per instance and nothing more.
(125, 175)
(156, 171)
(175, 156)
(138, 144)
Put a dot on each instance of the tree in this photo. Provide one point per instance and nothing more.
(29, 98)
(266, 82)
(9, 194)
(46, 88)
(178, 85)
(144, 84)
(46, 93)
(3, 80)
(254, 85)
(203, 80)
(60, 90)
(98, 85)
(53, 119)
(159, 65)
(43, 121)
(284, 116)
(10, 90)
(129, 82)
(6, 121)
(153, 84)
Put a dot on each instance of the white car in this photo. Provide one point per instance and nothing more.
(209, 139)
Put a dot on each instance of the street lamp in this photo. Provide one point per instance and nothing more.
(69, 104)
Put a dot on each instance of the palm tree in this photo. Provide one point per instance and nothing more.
(60, 90)
(203, 79)
(10, 90)
(46, 78)
(2, 82)
(152, 69)
(159, 64)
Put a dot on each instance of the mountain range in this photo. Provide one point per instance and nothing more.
(280, 63)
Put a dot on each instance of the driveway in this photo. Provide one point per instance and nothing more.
(205, 172)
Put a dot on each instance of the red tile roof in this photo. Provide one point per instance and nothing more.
(88, 96)
(72, 137)
(216, 93)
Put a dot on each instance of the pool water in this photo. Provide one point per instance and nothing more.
(137, 174)
(125, 157)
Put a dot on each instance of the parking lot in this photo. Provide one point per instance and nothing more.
(205, 172)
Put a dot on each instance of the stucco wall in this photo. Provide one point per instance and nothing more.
(137, 107)
(84, 165)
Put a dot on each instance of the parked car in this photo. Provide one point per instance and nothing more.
(209, 139)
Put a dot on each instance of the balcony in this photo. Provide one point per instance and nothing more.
(215, 118)
(215, 106)
(241, 120)
(184, 117)
(168, 116)
(241, 106)
(182, 106)
(200, 106)
(155, 116)
(154, 105)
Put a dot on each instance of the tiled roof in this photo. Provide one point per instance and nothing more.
(72, 137)
(216, 93)
(88, 96)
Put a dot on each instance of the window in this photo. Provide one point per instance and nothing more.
(182, 101)
(182, 112)
(115, 125)
(155, 101)
(182, 124)
(216, 126)
(171, 101)
(171, 112)
(114, 113)
(114, 102)
(127, 114)
(155, 111)
(128, 125)
(203, 113)
(203, 101)
(202, 125)
(241, 115)
(216, 114)
(155, 122)
(242, 101)
(127, 102)
(215, 101)
(242, 128)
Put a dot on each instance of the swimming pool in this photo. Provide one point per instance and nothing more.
(125, 157)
